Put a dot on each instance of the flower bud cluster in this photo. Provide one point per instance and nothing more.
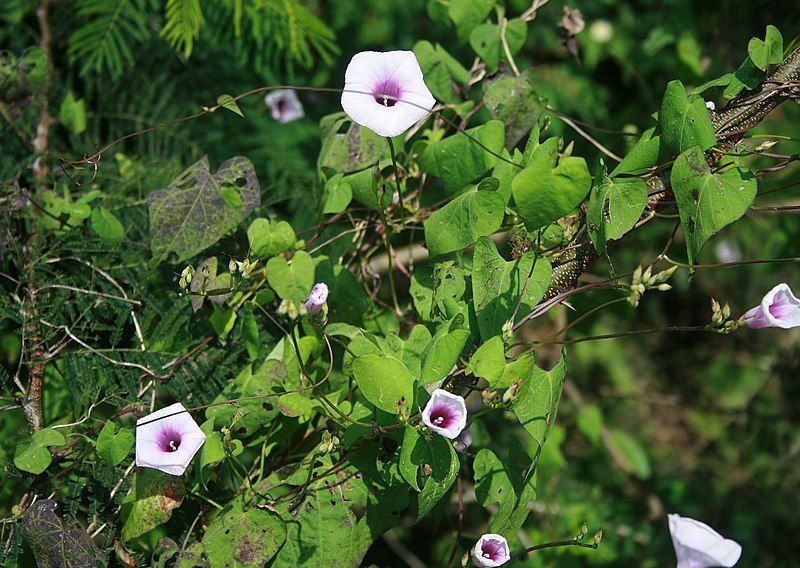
(644, 280)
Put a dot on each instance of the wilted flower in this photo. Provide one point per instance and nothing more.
(779, 308)
(385, 91)
(490, 550)
(697, 545)
(445, 414)
(168, 439)
(317, 298)
(284, 105)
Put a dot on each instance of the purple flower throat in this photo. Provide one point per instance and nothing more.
(444, 415)
(492, 550)
(169, 441)
(387, 92)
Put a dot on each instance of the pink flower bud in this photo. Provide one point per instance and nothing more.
(779, 308)
(697, 545)
(445, 414)
(168, 439)
(317, 298)
(490, 550)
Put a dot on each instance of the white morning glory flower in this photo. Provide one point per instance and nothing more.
(168, 439)
(284, 105)
(697, 545)
(385, 91)
(445, 414)
(491, 550)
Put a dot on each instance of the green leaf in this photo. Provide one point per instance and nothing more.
(106, 225)
(435, 455)
(228, 102)
(626, 201)
(384, 381)
(642, 157)
(114, 446)
(746, 77)
(250, 333)
(708, 201)
(537, 400)
(73, 114)
(442, 353)
(207, 283)
(291, 280)
(183, 21)
(239, 538)
(767, 52)
(596, 210)
(55, 544)
(467, 14)
(190, 215)
(590, 422)
(514, 101)
(497, 286)
(415, 348)
(222, 320)
(269, 238)
(634, 452)
(461, 222)
(485, 40)
(150, 502)
(35, 457)
(684, 120)
(504, 485)
(463, 158)
(441, 71)
(544, 194)
(213, 450)
(247, 416)
(337, 195)
(350, 151)
(489, 361)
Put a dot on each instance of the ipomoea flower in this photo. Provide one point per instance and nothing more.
(490, 550)
(284, 105)
(697, 545)
(779, 308)
(317, 298)
(445, 414)
(168, 439)
(385, 91)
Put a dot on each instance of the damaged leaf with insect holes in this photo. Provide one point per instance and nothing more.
(199, 207)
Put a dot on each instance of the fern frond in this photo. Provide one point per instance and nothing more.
(184, 19)
(105, 41)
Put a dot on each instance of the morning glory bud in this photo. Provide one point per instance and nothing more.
(317, 298)
(779, 308)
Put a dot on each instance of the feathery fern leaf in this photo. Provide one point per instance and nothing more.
(105, 41)
(184, 19)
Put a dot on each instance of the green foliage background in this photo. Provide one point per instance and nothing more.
(704, 425)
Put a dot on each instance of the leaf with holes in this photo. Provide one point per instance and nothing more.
(241, 537)
(54, 544)
(499, 285)
(191, 214)
(150, 502)
(708, 201)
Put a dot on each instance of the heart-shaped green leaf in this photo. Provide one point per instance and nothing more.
(269, 238)
(384, 381)
(459, 223)
(708, 201)
(684, 120)
(767, 52)
(291, 280)
(35, 457)
(114, 446)
(544, 194)
(485, 40)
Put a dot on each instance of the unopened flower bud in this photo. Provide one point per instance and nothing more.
(511, 392)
